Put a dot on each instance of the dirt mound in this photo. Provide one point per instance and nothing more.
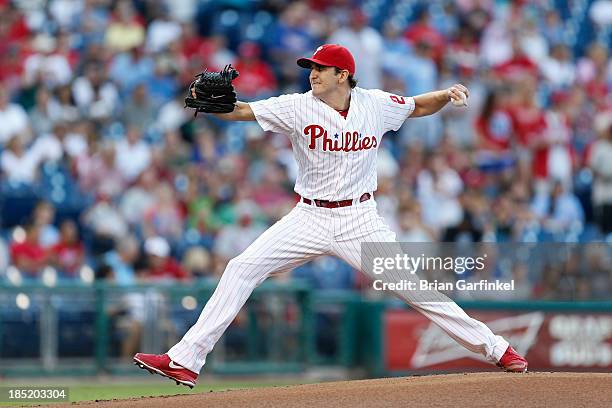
(461, 390)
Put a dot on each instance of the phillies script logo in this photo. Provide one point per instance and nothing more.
(344, 142)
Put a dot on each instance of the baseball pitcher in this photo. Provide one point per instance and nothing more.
(335, 131)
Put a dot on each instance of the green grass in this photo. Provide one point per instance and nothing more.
(130, 389)
(105, 392)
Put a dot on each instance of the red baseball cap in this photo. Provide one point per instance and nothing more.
(330, 55)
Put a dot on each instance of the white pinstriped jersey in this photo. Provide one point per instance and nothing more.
(336, 157)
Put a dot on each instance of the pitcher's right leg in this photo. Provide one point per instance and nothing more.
(298, 237)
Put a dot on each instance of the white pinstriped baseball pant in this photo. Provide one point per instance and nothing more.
(302, 235)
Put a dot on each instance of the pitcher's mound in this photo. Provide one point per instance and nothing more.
(454, 390)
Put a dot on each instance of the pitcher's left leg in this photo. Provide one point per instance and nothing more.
(360, 224)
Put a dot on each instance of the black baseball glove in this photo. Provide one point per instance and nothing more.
(212, 92)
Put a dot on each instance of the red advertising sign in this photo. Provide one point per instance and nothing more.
(549, 341)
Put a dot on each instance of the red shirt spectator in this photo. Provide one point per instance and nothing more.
(464, 52)
(597, 89)
(518, 66)
(530, 127)
(256, 77)
(167, 268)
(423, 31)
(494, 125)
(14, 27)
(160, 264)
(529, 122)
(28, 255)
(495, 131)
(191, 43)
(69, 253)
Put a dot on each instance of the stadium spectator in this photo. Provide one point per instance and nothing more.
(558, 210)
(13, 117)
(193, 45)
(532, 41)
(130, 69)
(27, 254)
(463, 52)
(558, 134)
(172, 114)
(106, 224)
(256, 80)
(517, 66)
(96, 170)
(552, 27)
(163, 85)
(68, 254)
(472, 226)
(133, 154)
(366, 45)
(44, 216)
(529, 124)
(412, 228)
(547, 287)
(94, 94)
(290, 39)
(438, 188)
(600, 162)
(176, 153)
(495, 132)
(49, 147)
(422, 31)
(496, 42)
(419, 73)
(139, 198)
(162, 31)
(121, 260)
(593, 63)
(45, 112)
(126, 29)
(161, 266)
(128, 313)
(67, 106)
(92, 22)
(395, 49)
(46, 65)
(197, 263)
(139, 111)
(19, 164)
(66, 49)
(165, 217)
(234, 239)
(558, 67)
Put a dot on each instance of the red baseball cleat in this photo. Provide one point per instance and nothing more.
(162, 365)
(511, 361)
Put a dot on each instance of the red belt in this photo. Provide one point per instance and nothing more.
(335, 204)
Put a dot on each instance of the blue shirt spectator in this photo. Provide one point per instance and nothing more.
(122, 259)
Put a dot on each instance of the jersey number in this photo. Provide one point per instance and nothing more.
(398, 99)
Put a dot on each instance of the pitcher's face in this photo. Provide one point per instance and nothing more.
(323, 79)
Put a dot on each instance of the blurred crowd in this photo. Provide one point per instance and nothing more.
(104, 175)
